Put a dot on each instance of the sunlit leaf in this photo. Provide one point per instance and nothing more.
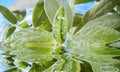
(24, 25)
(31, 45)
(37, 13)
(89, 44)
(60, 25)
(8, 14)
(8, 30)
(82, 1)
(103, 7)
(51, 7)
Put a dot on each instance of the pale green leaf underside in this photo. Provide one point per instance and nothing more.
(31, 45)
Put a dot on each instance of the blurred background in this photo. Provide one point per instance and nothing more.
(28, 5)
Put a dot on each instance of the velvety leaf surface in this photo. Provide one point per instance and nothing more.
(111, 21)
(8, 14)
(31, 45)
(38, 11)
(51, 7)
(89, 44)
(60, 25)
(101, 8)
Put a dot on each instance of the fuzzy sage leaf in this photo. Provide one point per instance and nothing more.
(38, 11)
(31, 45)
(51, 10)
(89, 44)
(60, 25)
(8, 14)
(103, 7)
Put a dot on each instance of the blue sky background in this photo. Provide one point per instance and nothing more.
(81, 8)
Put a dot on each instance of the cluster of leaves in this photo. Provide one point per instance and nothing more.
(94, 45)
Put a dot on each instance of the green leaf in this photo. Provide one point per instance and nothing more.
(24, 25)
(13, 70)
(77, 22)
(82, 1)
(90, 45)
(65, 64)
(35, 68)
(8, 14)
(7, 31)
(57, 66)
(71, 65)
(115, 44)
(39, 17)
(77, 19)
(37, 13)
(31, 45)
(60, 25)
(85, 67)
(102, 8)
(51, 7)
(23, 64)
(20, 14)
(111, 21)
